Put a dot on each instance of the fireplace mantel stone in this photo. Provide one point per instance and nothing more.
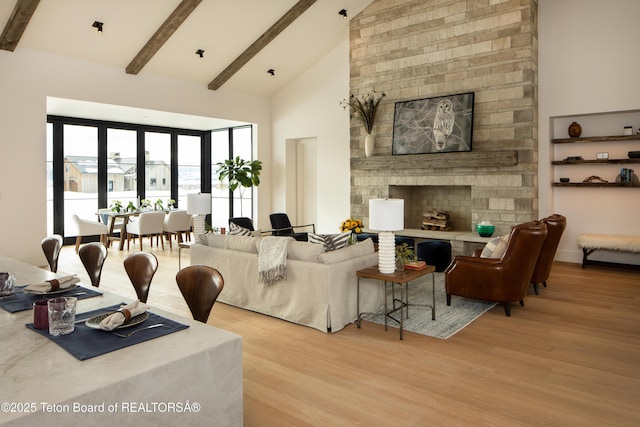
(473, 159)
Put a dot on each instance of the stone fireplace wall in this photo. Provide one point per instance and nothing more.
(415, 49)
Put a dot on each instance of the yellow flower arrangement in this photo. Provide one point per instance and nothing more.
(353, 225)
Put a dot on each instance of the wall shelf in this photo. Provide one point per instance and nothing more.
(594, 184)
(586, 139)
(604, 162)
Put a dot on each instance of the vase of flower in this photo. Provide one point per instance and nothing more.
(354, 226)
(369, 144)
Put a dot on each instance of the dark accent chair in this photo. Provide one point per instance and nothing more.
(555, 227)
(200, 286)
(92, 256)
(51, 246)
(141, 267)
(242, 221)
(502, 280)
(282, 227)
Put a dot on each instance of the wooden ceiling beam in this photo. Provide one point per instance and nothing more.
(17, 23)
(162, 34)
(282, 23)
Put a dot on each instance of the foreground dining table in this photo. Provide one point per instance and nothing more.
(191, 377)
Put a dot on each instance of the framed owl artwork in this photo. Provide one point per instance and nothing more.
(442, 124)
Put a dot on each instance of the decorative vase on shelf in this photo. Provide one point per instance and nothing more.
(575, 130)
(369, 144)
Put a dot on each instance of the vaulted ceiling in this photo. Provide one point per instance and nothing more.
(242, 39)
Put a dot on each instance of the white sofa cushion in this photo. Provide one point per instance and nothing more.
(242, 244)
(304, 251)
(217, 240)
(352, 251)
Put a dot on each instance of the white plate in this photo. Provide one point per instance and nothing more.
(95, 321)
(59, 291)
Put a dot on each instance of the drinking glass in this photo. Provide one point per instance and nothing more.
(7, 284)
(62, 315)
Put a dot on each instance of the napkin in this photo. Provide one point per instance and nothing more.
(52, 285)
(125, 313)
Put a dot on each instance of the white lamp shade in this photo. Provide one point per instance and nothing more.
(386, 214)
(199, 204)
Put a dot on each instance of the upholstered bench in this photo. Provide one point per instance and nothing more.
(435, 252)
(593, 242)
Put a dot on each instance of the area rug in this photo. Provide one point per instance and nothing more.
(449, 319)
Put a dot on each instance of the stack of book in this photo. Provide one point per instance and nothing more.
(416, 265)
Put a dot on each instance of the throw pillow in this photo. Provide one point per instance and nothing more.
(236, 230)
(331, 242)
(349, 252)
(495, 247)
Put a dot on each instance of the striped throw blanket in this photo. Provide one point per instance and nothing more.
(272, 259)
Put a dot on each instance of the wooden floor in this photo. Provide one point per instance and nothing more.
(570, 357)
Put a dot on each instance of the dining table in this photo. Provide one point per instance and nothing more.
(191, 375)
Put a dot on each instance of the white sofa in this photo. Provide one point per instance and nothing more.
(319, 290)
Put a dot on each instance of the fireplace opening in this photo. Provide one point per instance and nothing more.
(455, 200)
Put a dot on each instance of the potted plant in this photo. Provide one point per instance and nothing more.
(158, 205)
(240, 173)
(116, 206)
(364, 109)
(404, 254)
(170, 203)
(130, 207)
(145, 204)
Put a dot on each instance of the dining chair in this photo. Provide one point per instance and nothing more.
(90, 228)
(177, 222)
(115, 224)
(141, 267)
(200, 286)
(148, 224)
(282, 227)
(92, 256)
(51, 246)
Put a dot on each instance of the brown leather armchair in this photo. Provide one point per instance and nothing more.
(502, 280)
(555, 227)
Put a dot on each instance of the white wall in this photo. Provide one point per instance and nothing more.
(588, 63)
(28, 77)
(309, 107)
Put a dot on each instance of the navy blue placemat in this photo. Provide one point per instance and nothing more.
(21, 301)
(84, 342)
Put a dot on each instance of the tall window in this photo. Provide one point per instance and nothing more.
(189, 159)
(157, 167)
(228, 144)
(122, 175)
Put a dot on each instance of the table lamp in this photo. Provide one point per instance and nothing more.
(199, 205)
(386, 216)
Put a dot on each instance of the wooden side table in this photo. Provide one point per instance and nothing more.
(402, 279)
(182, 245)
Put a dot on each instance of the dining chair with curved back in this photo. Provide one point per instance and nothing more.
(141, 267)
(200, 286)
(177, 222)
(51, 246)
(148, 224)
(92, 256)
(90, 228)
(555, 227)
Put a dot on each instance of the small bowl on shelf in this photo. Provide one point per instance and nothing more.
(485, 229)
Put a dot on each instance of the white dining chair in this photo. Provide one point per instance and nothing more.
(177, 222)
(148, 224)
(90, 228)
(105, 217)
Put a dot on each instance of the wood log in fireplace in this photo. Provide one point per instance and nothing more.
(436, 220)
